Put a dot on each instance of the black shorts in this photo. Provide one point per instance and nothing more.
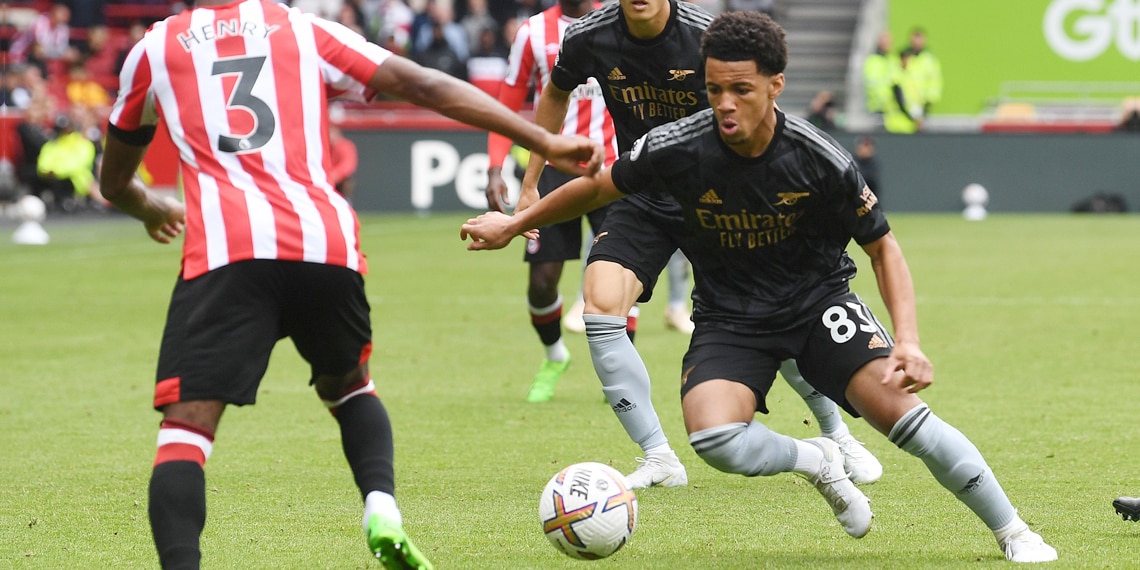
(829, 348)
(222, 326)
(640, 236)
(559, 242)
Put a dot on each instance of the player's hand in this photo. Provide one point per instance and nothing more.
(575, 155)
(167, 220)
(497, 196)
(917, 371)
(528, 195)
(487, 231)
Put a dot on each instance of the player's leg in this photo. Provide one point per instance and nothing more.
(953, 460)
(366, 437)
(719, 416)
(677, 316)
(862, 467)
(1128, 507)
(328, 321)
(545, 257)
(610, 291)
(544, 303)
(627, 257)
(220, 331)
(177, 490)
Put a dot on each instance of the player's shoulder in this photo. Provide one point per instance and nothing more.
(680, 137)
(594, 21)
(815, 143)
(692, 15)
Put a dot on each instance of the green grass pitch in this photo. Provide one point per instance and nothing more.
(1031, 322)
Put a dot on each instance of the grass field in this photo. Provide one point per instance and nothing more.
(1031, 322)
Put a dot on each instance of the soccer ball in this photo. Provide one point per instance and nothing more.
(587, 512)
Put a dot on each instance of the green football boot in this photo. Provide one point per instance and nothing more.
(542, 389)
(392, 547)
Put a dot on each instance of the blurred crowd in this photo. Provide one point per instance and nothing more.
(903, 86)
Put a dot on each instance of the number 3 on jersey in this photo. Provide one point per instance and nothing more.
(842, 328)
(247, 69)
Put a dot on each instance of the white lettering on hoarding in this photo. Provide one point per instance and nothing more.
(1097, 24)
(437, 163)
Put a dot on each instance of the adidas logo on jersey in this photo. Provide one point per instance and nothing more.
(624, 406)
(616, 75)
(710, 197)
(876, 342)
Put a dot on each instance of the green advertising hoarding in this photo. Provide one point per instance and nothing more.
(1092, 46)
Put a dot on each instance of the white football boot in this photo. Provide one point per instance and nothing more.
(850, 505)
(860, 464)
(658, 471)
(1023, 545)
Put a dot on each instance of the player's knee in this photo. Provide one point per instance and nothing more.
(744, 448)
(544, 280)
(720, 446)
(332, 387)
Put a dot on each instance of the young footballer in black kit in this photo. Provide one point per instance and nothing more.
(645, 54)
(770, 204)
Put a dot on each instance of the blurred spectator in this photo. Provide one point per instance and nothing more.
(487, 65)
(85, 91)
(351, 16)
(440, 54)
(1129, 116)
(867, 163)
(478, 19)
(24, 83)
(342, 153)
(822, 111)
(510, 29)
(904, 112)
(395, 25)
(46, 41)
(764, 6)
(101, 58)
(425, 34)
(879, 71)
(134, 33)
(504, 10)
(66, 167)
(9, 82)
(8, 31)
(34, 131)
(926, 70)
(86, 13)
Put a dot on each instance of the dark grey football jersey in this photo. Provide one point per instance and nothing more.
(767, 236)
(645, 83)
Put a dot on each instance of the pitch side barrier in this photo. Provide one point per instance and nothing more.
(418, 161)
(440, 166)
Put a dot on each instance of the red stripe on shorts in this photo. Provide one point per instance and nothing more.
(168, 391)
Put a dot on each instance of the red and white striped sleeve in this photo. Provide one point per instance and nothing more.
(348, 61)
(134, 114)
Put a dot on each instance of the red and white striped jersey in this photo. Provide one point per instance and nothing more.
(532, 57)
(243, 89)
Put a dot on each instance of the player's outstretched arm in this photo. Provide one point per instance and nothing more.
(163, 216)
(494, 230)
(897, 291)
(464, 102)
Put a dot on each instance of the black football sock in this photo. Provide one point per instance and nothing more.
(366, 435)
(178, 513)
